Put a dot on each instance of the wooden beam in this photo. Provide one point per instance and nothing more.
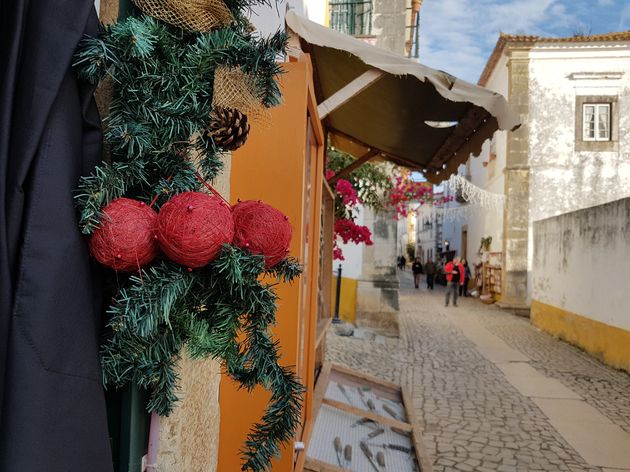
(473, 119)
(368, 414)
(421, 452)
(362, 377)
(352, 89)
(371, 154)
(386, 155)
(294, 49)
(314, 465)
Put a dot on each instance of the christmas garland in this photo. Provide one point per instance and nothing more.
(209, 294)
(474, 195)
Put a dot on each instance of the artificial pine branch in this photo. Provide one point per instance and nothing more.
(163, 82)
(108, 182)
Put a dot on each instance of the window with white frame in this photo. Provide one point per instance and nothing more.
(596, 121)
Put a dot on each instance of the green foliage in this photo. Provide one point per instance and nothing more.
(411, 251)
(166, 308)
(162, 97)
(163, 84)
(485, 244)
(371, 180)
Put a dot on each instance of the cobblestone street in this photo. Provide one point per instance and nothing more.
(494, 393)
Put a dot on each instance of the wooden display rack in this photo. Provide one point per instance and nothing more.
(348, 410)
(491, 275)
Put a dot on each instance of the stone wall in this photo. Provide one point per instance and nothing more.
(516, 175)
(581, 281)
(189, 438)
(377, 289)
(388, 24)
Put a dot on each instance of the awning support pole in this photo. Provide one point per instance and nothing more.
(356, 164)
(350, 90)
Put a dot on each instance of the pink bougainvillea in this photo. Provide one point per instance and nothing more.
(406, 191)
(349, 231)
(347, 193)
(397, 197)
(338, 253)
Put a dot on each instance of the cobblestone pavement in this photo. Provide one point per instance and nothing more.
(473, 419)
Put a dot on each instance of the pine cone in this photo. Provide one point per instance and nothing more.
(228, 128)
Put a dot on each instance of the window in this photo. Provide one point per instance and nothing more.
(596, 122)
(353, 17)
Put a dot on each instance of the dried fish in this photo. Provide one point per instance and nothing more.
(401, 432)
(337, 444)
(376, 432)
(347, 455)
(380, 459)
(390, 411)
(345, 393)
(366, 450)
(361, 421)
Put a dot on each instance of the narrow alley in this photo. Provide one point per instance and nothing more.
(493, 393)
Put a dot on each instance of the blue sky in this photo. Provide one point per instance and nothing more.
(457, 36)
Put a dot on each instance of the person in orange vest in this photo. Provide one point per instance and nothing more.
(454, 271)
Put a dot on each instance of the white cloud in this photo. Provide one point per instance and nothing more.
(458, 35)
(605, 3)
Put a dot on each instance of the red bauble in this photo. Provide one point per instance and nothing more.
(193, 226)
(262, 229)
(125, 240)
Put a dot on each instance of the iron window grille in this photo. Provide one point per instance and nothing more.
(353, 18)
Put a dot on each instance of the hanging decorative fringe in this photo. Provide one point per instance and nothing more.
(427, 214)
(476, 199)
(475, 195)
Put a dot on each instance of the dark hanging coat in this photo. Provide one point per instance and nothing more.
(53, 415)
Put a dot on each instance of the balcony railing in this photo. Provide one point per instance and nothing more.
(353, 18)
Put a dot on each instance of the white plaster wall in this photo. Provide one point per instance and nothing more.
(562, 179)
(352, 266)
(270, 18)
(490, 178)
(580, 259)
(402, 237)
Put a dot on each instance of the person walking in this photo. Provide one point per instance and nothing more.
(429, 269)
(416, 268)
(403, 262)
(463, 289)
(454, 278)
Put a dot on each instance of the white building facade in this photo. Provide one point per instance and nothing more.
(571, 152)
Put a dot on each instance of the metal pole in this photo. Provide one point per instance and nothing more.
(337, 296)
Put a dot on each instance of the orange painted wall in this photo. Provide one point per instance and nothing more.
(271, 168)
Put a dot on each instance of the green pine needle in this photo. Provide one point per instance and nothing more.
(162, 98)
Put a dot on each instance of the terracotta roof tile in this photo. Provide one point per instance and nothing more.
(505, 38)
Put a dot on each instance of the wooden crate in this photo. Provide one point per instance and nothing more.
(361, 406)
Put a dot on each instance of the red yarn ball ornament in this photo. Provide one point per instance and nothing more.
(262, 229)
(125, 240)
(192, 227)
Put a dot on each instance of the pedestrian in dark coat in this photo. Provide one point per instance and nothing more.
(416, 268)
(454, 271)
(429, 269)
(463, 289)
(52, 402)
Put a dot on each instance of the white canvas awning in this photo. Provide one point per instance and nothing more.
(377, 103)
